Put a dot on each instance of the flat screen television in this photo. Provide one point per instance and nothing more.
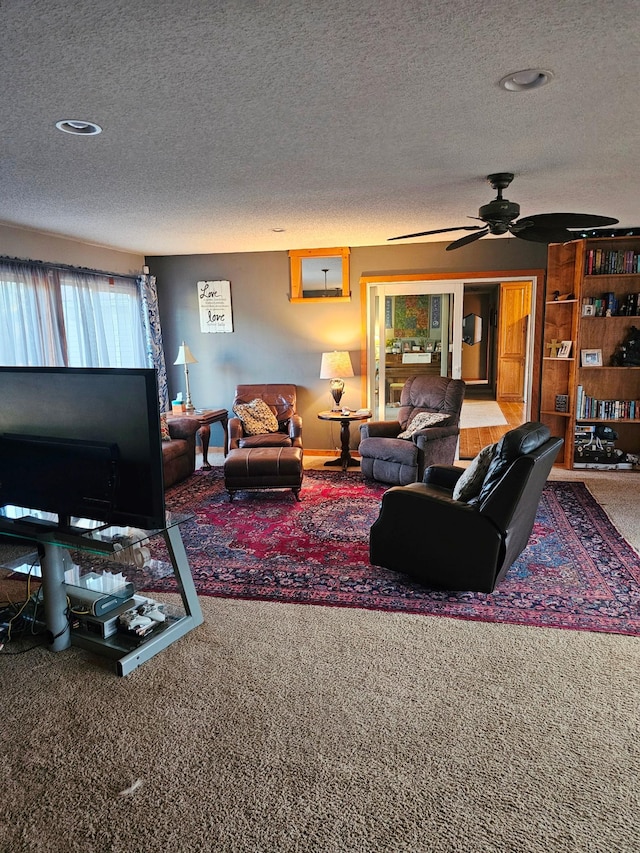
(82, 442)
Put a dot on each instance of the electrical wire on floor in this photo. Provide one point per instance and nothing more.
(20, 619)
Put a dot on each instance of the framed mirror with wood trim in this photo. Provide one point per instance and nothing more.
(319, 275)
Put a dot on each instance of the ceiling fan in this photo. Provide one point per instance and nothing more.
(501, 215)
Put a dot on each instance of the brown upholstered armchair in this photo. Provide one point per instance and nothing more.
(455, 534)
(398, 461)
(179, 454)
(281, 400)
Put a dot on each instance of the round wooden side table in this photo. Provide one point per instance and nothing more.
(345, 419)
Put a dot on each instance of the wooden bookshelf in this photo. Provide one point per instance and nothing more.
(569, 288)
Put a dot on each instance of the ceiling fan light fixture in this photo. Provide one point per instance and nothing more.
(523, 81)
(79, 128)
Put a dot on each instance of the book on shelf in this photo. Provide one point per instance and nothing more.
(605, 410)
(600, 261)
(611, 305)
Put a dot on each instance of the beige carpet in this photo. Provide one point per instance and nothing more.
(481, 413)
(279, 727)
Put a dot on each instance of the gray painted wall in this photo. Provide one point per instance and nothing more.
(275, 340)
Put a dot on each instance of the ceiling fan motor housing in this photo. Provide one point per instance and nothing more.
(498, 214)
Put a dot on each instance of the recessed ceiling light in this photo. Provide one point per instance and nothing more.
(522, 81)
(79, 128)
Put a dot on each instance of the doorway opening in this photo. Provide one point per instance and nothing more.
(486, 337)
(496, 361)
(413, 327)
(480, 339)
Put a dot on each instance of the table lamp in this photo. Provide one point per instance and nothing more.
(185, 357)
(336, 366)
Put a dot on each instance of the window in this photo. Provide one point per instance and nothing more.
(55, 316)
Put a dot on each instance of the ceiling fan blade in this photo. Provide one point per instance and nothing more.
(544, 235)
(566, 220)
(438, 231)
(463, 241)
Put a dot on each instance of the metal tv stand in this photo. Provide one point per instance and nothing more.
(53, 546)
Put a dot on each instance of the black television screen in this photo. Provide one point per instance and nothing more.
(84, 424)
(32, 468)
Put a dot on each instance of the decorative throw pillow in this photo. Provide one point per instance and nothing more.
(256, 417)
(165, 435)
(470, 483)
(423, 420)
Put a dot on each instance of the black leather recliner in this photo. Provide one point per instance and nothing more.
(456, 545)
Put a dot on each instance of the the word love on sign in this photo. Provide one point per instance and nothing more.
(214, 305)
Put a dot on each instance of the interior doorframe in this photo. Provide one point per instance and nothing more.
(534, 345)
(381, 290)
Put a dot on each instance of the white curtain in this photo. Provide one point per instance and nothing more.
(58, 316)
(31, 327)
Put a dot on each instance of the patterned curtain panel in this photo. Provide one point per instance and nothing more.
(153, 335)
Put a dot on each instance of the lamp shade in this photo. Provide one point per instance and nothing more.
(336, 365)
(184, 355)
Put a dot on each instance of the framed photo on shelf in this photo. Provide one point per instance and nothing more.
(591, 358)
(565, 349)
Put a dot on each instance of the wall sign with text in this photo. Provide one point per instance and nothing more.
(214, 303)
(435, 312)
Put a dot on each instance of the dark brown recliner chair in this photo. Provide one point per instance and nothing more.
(269, 460)
(399, 461)
(443, 543)
(281, 399)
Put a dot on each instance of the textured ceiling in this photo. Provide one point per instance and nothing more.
(343, 122)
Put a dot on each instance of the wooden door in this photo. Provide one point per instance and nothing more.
(513, 331)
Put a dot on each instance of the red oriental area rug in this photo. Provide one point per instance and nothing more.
(577, 571)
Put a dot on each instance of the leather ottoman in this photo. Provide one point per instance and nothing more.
(263, 468)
